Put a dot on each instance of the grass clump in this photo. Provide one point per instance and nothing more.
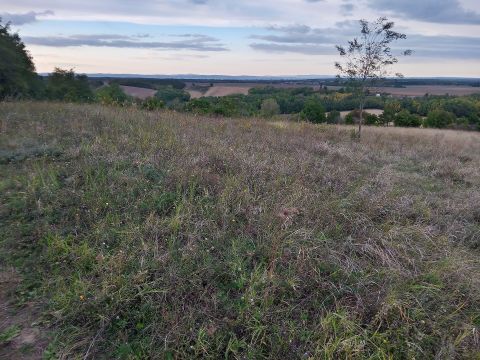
(160, 235)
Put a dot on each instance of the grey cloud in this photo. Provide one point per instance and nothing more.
(311, 38)
(192, 42)
(300, 39)
(460, 47)
(321, 41)
(306, 49)
(24, 18)
(436, 11)
(197, 37)
(347, 8)
(302, 29)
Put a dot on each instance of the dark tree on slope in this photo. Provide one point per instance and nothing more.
(17, 71)
(66, 85)
(368, 58)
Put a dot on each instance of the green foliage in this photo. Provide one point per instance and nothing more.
(152, 103)
(334, 117)
(269, 108)
(147, 83)
(9, 334)
(17, 71)
(405, 119)
(171, 96)
(226, 106)
(111, 95)
(371, 119)
(65, 85)
(199, 106)
(313, 112)
(439, 119)
(463, 107)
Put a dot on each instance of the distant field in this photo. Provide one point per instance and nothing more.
(138, 92)
(421, 90)
(370, 111)
(225, 89)
(219, 89)
(197, 90)
(128, 234)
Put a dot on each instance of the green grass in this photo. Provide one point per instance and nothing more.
(162, 235)
(9, 334)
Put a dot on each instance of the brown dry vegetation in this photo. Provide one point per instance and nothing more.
(163, 235)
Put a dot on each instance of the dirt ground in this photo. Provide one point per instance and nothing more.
(20, 337)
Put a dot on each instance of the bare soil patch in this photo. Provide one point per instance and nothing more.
(20, 338)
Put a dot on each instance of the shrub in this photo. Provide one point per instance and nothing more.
(65, 85)
(199, 106)
(269, 108)
(334, 117)
(152, 103)
(439, 119)
(170, 95)
(405, 119)
(371, 119)
(111, 95)
(226, 106)
(313, 112)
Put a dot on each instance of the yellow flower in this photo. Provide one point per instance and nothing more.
(82, 298)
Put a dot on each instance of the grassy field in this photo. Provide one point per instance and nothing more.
(161, 235)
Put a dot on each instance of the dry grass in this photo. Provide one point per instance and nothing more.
(163, 235)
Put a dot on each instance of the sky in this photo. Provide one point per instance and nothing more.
(240, 37)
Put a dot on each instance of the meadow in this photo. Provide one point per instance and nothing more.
(167, 235)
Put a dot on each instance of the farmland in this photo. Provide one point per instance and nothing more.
(422, 90)
(165, 235)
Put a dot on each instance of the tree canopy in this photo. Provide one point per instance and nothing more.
(17, 71)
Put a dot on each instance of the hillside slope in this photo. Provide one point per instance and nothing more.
(162, 235)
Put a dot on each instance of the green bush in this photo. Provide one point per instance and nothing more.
(334, 117)
(152, 103)
(111, 95)
(65, 85)
(371, 119)
(313, 112)
(439, 119)
(169, 95)
(269, 108)
(405, 119)
(199, 106)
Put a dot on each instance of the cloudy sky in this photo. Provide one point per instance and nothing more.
(239, 37)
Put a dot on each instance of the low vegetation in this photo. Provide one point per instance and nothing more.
(166, 235)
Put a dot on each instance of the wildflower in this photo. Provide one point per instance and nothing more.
(82, 298)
